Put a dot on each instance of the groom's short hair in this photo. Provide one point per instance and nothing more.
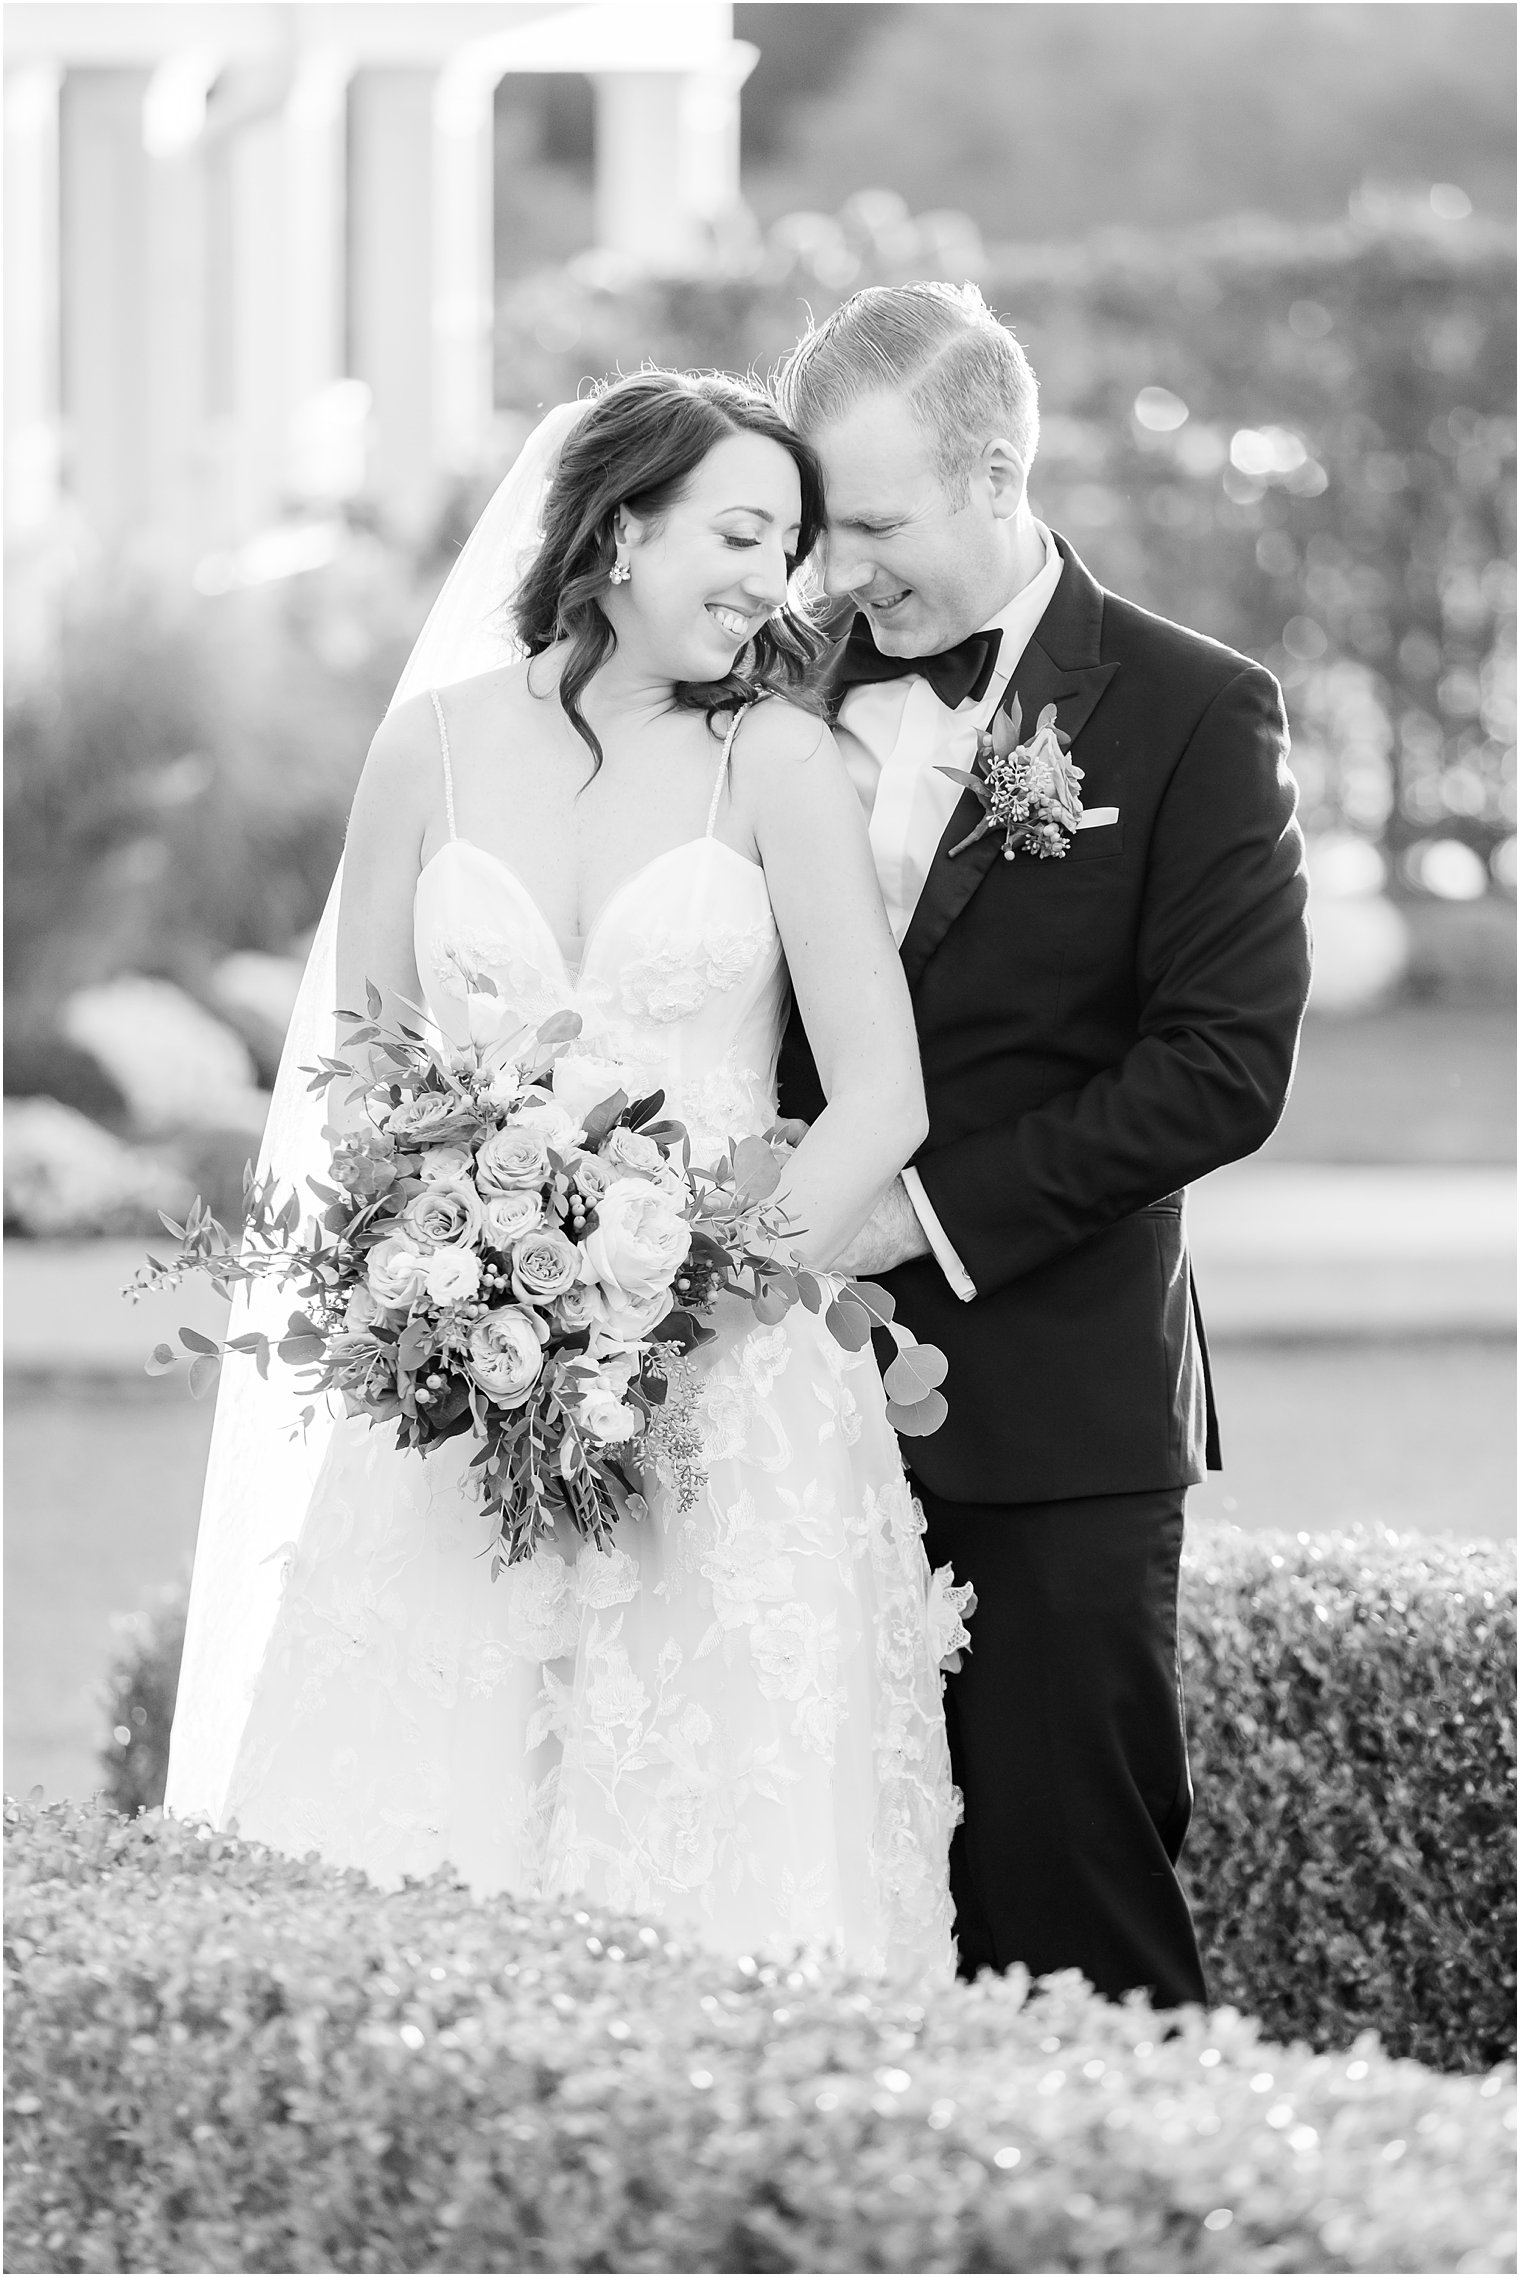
(964, 374)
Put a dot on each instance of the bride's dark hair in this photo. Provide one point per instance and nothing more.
(637, 446)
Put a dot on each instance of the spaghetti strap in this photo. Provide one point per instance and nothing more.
(448, 772)
(728, 744)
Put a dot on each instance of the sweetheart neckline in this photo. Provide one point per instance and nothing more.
(574, 978)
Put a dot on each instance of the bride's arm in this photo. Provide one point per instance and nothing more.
(791, 784)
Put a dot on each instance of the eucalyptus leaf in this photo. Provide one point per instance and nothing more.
(916, 1372)
(757, 1173)
(879, 1302)
(917, 1421)
(848, 1323)
(203, 1374)
(160, 1360)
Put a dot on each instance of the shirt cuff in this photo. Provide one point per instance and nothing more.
(950, 1265)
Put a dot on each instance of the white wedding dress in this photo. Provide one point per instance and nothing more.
(732, 1722)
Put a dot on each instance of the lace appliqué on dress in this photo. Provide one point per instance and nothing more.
(673, 982)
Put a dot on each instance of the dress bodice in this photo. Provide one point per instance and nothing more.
(681, 977)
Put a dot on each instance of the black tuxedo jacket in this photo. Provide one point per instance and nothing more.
(1095, 1032)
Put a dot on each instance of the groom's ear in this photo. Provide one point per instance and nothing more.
(1007, 477)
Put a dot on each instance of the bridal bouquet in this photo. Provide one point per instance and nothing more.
(511, 1247)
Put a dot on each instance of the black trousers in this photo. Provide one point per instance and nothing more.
(1067, 1740)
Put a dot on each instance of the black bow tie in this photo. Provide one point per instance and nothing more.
(955, 674)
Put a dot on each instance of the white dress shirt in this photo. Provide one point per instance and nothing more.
(894, 735)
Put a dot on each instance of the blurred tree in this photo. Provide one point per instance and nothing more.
(1046, 120)
(543, 155)
(1300, 440)
(178, 787)
(806, 46)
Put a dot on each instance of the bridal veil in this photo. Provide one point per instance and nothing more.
(263, 1463)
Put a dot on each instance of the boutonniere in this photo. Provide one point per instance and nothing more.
(1029, 790)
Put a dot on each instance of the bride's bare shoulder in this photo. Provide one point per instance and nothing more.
(504, 683)
(507, 701)
(414, 730)
(775, 730)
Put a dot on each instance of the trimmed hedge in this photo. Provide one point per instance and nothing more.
(1351, 1861)
(220, 2059)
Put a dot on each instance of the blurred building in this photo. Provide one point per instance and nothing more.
(248, 248)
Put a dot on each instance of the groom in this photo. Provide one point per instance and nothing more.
(1097, 1029)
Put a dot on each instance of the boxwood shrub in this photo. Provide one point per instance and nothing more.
(1351, 1858)
(224, 2060)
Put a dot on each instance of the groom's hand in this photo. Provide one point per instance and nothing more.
(788, 1134)
(890, 1236)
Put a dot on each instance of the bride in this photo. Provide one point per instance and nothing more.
(733, 1721)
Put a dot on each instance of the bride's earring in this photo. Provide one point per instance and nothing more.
(619, 573)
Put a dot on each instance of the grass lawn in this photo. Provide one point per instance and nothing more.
(1418, 1083)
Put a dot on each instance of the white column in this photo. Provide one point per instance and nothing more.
(710, 135)
(464, 281)
(104, 299)
(667, 158)
(31, 297)
(316, 165)
(177, 256)
(392, 250)
(640, 190)
(259, 190)
(34, 569)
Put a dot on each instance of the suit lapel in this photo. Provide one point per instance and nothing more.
(1070, 630)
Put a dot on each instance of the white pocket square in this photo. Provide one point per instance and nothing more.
(1098, 817)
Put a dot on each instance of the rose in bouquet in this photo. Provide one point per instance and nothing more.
(511, 1247)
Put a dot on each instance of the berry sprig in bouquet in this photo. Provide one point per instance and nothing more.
(512, 1247)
